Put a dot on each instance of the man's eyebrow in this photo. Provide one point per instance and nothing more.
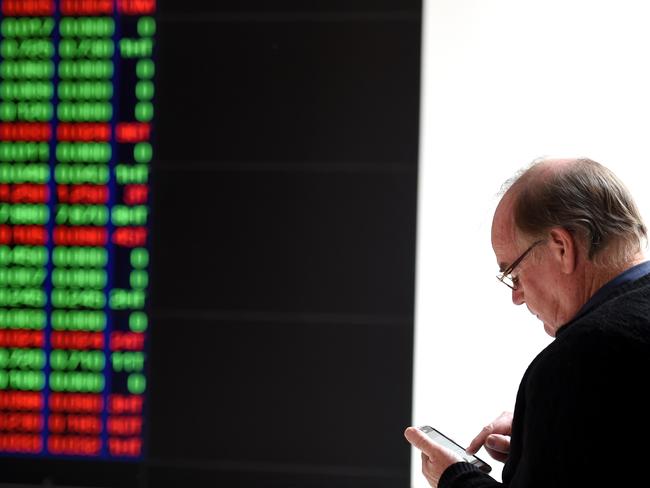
(503, 266)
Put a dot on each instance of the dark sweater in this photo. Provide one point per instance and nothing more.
(582, 415)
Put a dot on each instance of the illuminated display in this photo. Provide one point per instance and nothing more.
(76, 110)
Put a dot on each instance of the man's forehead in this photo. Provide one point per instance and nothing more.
(503, 223)
(504, 232)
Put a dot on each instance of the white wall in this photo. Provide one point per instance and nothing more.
(505, 82)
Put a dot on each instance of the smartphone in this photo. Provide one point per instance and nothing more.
(443, 440)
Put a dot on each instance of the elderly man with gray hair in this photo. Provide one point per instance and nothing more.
(569, 241)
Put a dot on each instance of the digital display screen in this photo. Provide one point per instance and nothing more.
(207, 220)
(76, 118)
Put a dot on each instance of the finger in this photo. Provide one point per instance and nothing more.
(479, 440)
(425, 461)
(426, 468)
(419, 440)
(503, 423)
(498, 442)
(499, 456)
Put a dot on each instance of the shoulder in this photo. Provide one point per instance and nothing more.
(623, 319)
(607, 352)
(610, 341)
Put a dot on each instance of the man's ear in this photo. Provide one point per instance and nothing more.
(564, 249)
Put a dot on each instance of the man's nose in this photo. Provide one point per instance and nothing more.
(518, 296)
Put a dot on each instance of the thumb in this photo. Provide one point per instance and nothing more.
(418, 439)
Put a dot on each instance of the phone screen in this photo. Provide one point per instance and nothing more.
(445, 441)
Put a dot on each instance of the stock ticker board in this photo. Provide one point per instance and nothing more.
(76, 114)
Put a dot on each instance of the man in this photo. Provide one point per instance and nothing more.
(569, 241)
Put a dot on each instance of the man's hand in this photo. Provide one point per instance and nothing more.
(435, 458)
(495, 437)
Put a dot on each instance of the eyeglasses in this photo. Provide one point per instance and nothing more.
(506, 277)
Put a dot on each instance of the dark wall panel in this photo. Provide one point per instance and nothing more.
(277, 91)
(283, 264)
(279, 242)
(281, 393)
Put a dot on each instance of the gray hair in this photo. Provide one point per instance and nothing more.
(585, 198)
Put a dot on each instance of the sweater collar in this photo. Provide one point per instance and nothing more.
(627, 276)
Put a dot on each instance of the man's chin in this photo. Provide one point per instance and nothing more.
(548, 328)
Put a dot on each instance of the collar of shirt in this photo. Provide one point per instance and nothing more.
(632, 274)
